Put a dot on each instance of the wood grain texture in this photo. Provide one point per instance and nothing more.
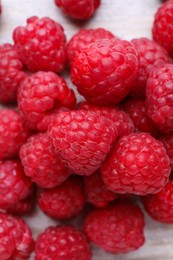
(127, 19)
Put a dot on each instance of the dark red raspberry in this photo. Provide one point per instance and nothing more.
(65, 201)
(62, 243)
(105, 71)
(118, 228)
(138, 164)
(41, 163)
(41, 44)
(83, 38)
(14, 185)
(41, 95)
(13, 133)
(159, 98)
(160, 206)
(151, 56)
(11, 74)
(15, 238)
(167, 141)
(78, 9)
(83, 139)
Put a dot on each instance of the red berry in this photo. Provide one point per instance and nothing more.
(138, 164)
(83, 139)
(41, 96)
(41, 163)
(105, 71)
(151, 56)
(62, 243)
(116, 229)
(65, 201)
(13, 133)
(41, 44)
(167, 141)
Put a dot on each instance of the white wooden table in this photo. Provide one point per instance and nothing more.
(127, 19)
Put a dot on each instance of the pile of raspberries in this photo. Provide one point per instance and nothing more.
(103, 159)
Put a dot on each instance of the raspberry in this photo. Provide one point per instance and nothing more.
(105, 71)
(83, 38)
(14, 185)
(65, 201)
(117, 228)
(80, 9)
(151, 56)
(167, 141)
(41, 95)
(160, 206)
(159, 97)
(15, 238)
(13, 133)
(62, 243)
(41, 163)
(83, 139)
(41, 44)
(96, 191)
(11, 74)
(138, 164)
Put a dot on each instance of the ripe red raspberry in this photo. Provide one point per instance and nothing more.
(159, 98)
(160, 206)
(83, 139)
(41, 95)
(62, 243)
(14, 185)
(13, 133)
(41, 44)
(65, 201)
(78, 9)
(41, 163)
(11, 74)
(83, 38)
(138, 164)
(151, 56)
(15, 238)
(118, 228)
(167, 141)
(105, 71)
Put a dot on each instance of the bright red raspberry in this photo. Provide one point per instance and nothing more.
(41, 44)
(83, 139)
(14, 185)
(13, 133)
(41, 96)
(138, 164)
(78, 9)
(65, 201)
(83, 38)
(160, 206)
(159, 98)
(117, 228)
(105, 71)
(15, 238)
(11, 74)
(62, 243)
(167, 141)
(41, 163)
(151, 56)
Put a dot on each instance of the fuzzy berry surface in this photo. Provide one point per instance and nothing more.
(41, 163)
(65, 201)
(111, 228)
(83, 139)
(105, 71)
(167, 141)
(62, 243)
(41, 44)
(151, 56)
(138, 164)
(41, 96)
(13, 133)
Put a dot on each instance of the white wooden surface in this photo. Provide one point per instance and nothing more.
(127, 19)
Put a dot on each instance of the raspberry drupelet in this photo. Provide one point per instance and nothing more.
(41, 44)
(167, 141)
